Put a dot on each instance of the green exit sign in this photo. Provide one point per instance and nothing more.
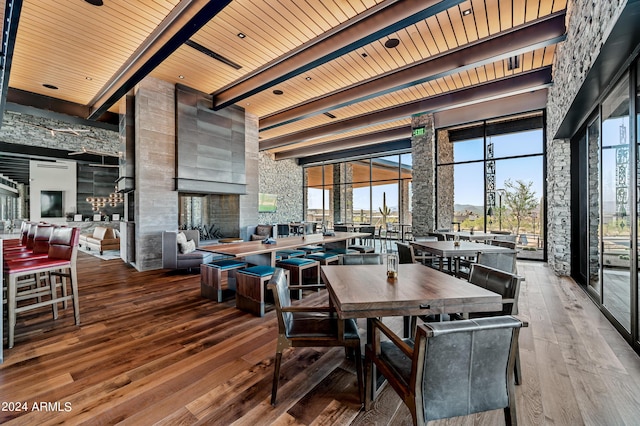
(418, 132)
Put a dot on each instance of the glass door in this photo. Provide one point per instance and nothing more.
(616, 206)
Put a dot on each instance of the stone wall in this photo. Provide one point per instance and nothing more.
(284, 178)
(588, 26)
(26, 129)
(423, 156)
(558, 206)
(589, 23)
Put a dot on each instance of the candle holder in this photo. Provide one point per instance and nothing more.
(456, 241)
(392, 265)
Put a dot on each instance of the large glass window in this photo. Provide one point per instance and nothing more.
(496, 173)
(365, 190)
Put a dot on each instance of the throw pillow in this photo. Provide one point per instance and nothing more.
(181, 238)
(188, 247)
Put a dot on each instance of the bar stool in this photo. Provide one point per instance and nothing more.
(296, 266)
(250, 285)
(61, 261)
(310, 249)
(290, 253)
(324, 258)
(211, 277)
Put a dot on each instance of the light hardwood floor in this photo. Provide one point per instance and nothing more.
(150, 350)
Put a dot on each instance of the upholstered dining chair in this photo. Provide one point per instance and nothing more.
(405, 253)
(61, 261)
(308, 326)
(508, 286)
(435, 385)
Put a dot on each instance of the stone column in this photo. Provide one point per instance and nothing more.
(342, 193)
(558, 206)
(249, 202)
(423, 155)
(156, 200)
(446, 187)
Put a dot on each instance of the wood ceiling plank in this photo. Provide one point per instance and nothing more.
(506, 16)
(532, 10)
(457, 23)
(519, 7)
(549, 54)
(447, 30)
(545, 8)
(479, 15)
(493, 16)
(559, 5)
(469, 27)
(436, 33)
(320, 9)
(426, 39)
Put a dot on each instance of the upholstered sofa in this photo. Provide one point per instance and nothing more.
(259, 232)
(181, 251)
(102, 238)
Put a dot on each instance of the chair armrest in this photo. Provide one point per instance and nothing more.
(394, 338)
(307, 287)
(307, 309)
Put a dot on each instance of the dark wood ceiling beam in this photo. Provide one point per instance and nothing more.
(373, 25)
(388, 135)
(183, 22)
(506, 86)
(525, 38)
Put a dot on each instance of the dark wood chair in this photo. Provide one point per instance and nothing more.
(432, 383)
(308, 326)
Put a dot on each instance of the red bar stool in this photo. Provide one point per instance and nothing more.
(61, 261)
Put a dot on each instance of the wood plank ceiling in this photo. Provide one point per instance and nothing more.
(319, 74)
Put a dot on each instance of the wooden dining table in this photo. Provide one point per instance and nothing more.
(364, 291)
(449, 250)
(260, 253)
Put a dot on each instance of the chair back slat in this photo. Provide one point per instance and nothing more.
(282, 299)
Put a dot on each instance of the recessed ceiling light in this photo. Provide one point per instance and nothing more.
(95, 2)
(242, 35)
(181, 77)
(50, 86)
(308, 78)
(391, 43)
(466, 12)
(364, 55)
(88, 78)
(278, 92)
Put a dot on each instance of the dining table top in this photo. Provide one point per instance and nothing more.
(464, 248)
(249, 248)
(364, 291)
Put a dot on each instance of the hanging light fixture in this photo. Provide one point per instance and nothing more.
(112, 200)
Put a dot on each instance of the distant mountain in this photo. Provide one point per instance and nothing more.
(478, 210)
